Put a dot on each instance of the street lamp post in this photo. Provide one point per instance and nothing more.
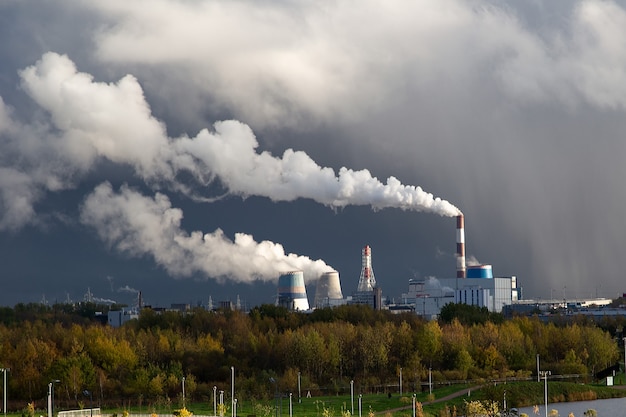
(183, 392)
(51, 396)
(222, 403)
(623, 338)
(538, 380)
(290, 406)
(87, 393)
(4, 386)
(360, 403)
(544, 375)
(352, 395)
(214, 400)
(232, 390)
(430, 381)
(235, 407)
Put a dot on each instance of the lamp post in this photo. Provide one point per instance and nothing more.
(87, 393)
(235, 407)
(352, 395)
(413, 399)
(430, 381)
(183, 392)
(538, 380)
(222, 403)
(360, 403)
(290, 406)
(51, 396)
(623, 338)
(4, 386)
(232, 390)
(544, 375)
(214, 400)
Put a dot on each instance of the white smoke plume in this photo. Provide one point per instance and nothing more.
(144, 226)
(128, 289)
(114, 121)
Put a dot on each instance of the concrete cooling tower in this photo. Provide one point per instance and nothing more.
(292, 292)
(328, 290)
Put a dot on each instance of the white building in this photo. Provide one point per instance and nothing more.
(118, 317)
(429, 295)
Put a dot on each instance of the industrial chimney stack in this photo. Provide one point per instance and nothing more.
(367, 282)
(460, 246)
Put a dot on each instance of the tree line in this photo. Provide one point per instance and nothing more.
(146, 359)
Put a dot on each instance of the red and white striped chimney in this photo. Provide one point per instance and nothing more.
(460, 246)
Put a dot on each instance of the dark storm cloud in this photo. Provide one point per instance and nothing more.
(511, 111)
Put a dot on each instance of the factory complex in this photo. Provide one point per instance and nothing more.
(473, 285)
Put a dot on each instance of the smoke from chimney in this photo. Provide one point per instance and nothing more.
(227, 155)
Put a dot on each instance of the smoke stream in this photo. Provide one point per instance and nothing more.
(142, 226)
(113, 121)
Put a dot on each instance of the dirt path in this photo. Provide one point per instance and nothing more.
(463, 392)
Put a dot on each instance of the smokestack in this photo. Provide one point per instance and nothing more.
(367, 282)
(460, 246)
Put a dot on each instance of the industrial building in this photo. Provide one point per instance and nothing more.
(473, 285)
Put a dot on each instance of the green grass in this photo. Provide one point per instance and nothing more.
(518, 394)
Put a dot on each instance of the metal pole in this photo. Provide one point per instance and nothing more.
(538, 380)
(360, 400)
(544, 375)
(183, 392)
(290, 408)
(352, 395)
(413, 403)
(4, 397)
(214, 400)
(300, 394)
(623, 338)
(232, 390)
(221, 403)
(430, 381)
(52, 395)
(50, 399)
(545, 393)
(400, 380)
(235, 407)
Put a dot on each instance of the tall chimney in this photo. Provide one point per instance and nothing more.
(367, 282)
(460, 246)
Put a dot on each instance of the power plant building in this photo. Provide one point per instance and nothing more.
(430, 295)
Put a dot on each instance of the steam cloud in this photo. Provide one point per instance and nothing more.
(139, 225)
(114, 121)
(90, 121)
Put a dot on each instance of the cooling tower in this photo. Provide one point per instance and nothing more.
(460, 246)
(328, 288)
(292, 292)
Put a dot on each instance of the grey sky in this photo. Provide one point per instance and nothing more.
(136, 132)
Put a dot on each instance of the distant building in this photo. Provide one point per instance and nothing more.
(118, 318)
(429, 295)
